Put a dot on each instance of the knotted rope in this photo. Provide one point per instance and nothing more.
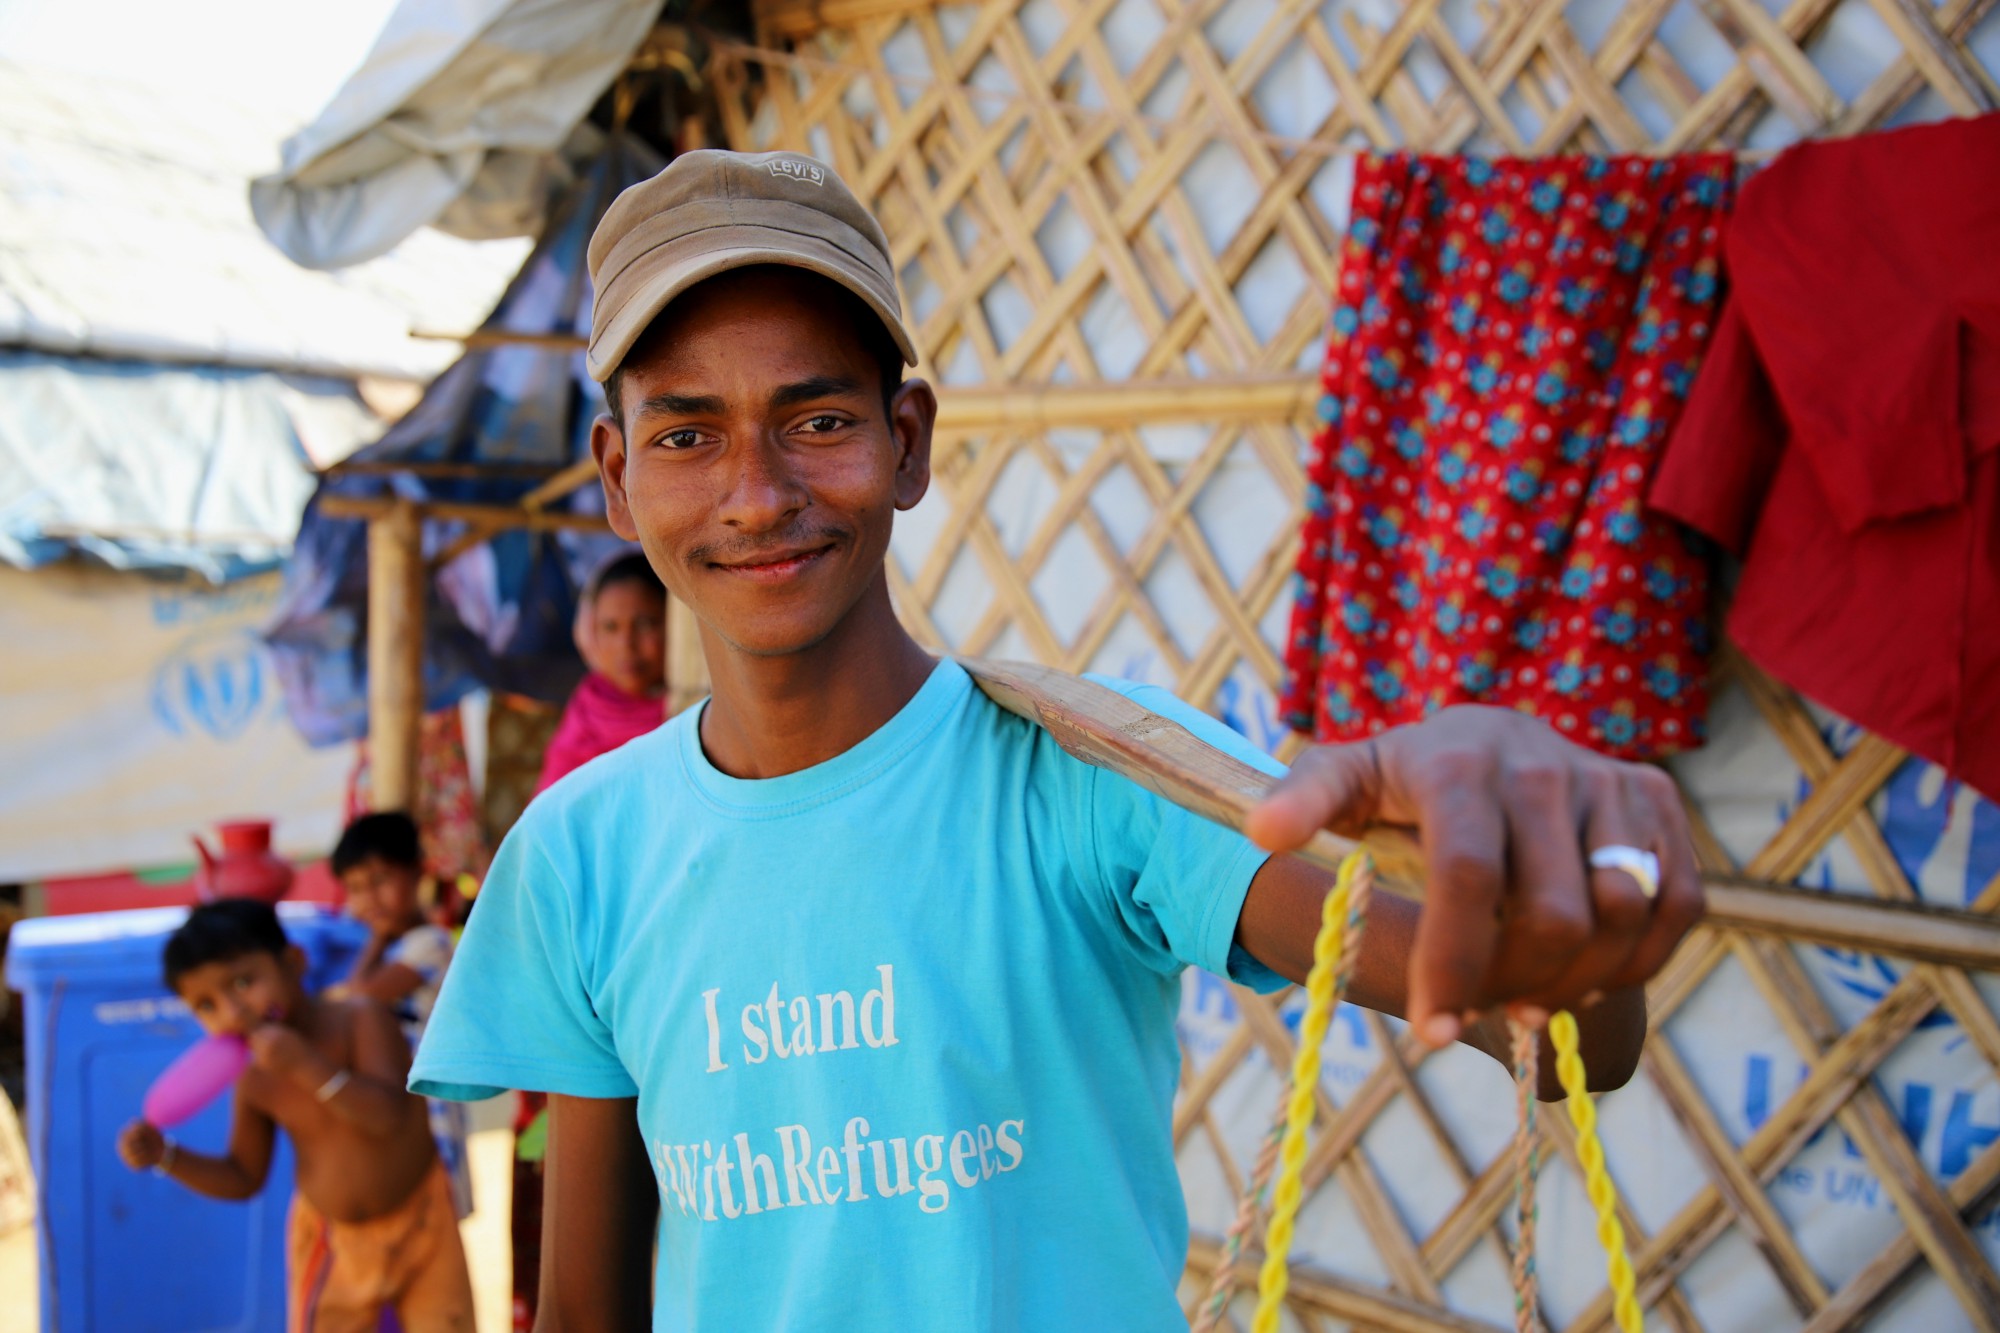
(1527, 1169)
(1284, 1146)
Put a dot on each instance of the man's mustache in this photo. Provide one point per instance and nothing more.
(767, 549)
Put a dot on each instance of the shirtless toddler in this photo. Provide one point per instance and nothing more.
(372, 1225)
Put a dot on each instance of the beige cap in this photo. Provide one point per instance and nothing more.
(710, 212)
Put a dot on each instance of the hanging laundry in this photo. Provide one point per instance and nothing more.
(1512, 342)
(447, 809)
(1845, 436)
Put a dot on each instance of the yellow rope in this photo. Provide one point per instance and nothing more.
(1323, 986)
(1341, 918)
(1596, 1177)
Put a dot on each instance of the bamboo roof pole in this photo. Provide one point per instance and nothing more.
(498, 518)
(395, 653)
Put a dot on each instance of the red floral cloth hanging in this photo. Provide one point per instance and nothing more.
(1512, 342)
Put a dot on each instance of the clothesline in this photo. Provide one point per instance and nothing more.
(1341, 152)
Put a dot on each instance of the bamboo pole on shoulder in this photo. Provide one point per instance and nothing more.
(1104, 728)
(395, 653)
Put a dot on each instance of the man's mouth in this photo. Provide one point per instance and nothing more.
(774, 566)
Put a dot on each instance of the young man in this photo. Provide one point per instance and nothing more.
(372, 1228)
(859, 982)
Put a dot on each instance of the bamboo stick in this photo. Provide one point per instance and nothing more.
(497, 517)
(395, 653)
(1350, 1301)
(1106, 729)
(383, 467)
(477, 338)
(687, 668)
(1038, 407)
(562, 485)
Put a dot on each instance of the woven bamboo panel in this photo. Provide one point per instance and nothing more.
(1113, 222)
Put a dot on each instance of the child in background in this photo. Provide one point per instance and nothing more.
(621, 633)
(372, 1228)
(379, 862)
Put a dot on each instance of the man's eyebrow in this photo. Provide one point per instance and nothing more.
(818, 386)
(681, 405)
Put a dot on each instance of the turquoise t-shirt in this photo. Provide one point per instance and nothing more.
(900, 1025)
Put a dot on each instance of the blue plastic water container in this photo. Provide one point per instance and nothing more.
(120, 1249)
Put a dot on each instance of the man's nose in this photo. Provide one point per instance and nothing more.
(763, 493)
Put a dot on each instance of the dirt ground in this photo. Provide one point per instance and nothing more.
(491, 1153)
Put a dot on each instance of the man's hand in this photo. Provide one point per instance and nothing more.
(141, 1146)
(277, 1049)
(1506, 811)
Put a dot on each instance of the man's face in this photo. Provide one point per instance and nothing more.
(381, 896)
(758, 465)
(238, 995)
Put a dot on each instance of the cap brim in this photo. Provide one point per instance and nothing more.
(652, 283)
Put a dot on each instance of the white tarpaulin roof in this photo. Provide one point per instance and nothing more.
(124, 233)
(148, 466)
(457, 119)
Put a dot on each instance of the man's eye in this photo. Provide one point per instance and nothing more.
(821, 425)
(243, 983)
(680, 439)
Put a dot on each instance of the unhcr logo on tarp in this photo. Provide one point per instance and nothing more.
(213, 683)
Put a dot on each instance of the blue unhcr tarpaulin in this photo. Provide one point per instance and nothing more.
(497, 616)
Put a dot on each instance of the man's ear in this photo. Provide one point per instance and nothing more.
(607, 446)
(912, 415)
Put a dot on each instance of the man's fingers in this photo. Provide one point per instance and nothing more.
(1465, 850)
(1620, 911)
(1680, 903)
(1331, 786)
(1548, 917)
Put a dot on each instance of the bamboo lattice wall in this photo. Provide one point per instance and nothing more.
(1114, 222)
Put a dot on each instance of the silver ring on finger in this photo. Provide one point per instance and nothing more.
(1641, 865)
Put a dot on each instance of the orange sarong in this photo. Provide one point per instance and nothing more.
(343, 1275)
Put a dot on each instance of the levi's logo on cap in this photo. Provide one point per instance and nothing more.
(797, 169)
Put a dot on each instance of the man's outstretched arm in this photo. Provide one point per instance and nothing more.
(599, 1210)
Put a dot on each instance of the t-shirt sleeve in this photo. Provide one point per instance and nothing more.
(515, 1011)
(1177, 879)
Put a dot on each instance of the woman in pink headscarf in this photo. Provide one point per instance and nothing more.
(621, 630)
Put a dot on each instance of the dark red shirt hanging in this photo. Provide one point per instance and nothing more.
(1845, 436)
(1512, 342)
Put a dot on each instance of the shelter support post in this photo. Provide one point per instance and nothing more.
(395, 653)
(687, 669)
